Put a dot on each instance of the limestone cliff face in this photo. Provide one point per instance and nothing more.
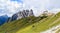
(22, 14)
(25, 13)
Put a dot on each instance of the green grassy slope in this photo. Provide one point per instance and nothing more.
(30, 24)
(12, 27)
(42, 25)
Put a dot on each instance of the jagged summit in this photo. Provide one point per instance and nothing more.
(22, 14)
(25, 13)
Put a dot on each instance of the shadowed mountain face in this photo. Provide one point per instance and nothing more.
(22, 14)
(3, 19)
(16, 16)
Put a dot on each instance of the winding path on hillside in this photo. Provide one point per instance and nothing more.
(54, 22)
(55, 29)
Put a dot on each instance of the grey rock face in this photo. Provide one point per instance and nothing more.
(24, 13)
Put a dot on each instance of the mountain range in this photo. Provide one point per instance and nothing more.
(16, 16)
(31, 24)
(3, 19)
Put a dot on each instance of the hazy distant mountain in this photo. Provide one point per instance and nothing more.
(16, 16)
(3, 19)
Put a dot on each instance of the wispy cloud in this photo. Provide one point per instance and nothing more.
(12, 6)
(36, 5)
(9, 7)
(39, 5)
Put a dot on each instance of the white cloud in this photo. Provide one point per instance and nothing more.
(55, 10)
(37, 5)
(9, 7)
(40, 5)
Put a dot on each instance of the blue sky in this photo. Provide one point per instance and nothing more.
(10, 7)
(19, 1)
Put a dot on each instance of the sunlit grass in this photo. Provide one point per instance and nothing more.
(42, 26)
(30, 25)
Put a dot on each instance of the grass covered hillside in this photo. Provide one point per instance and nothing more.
(31, 24)
(42, 25)
(12, 27)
